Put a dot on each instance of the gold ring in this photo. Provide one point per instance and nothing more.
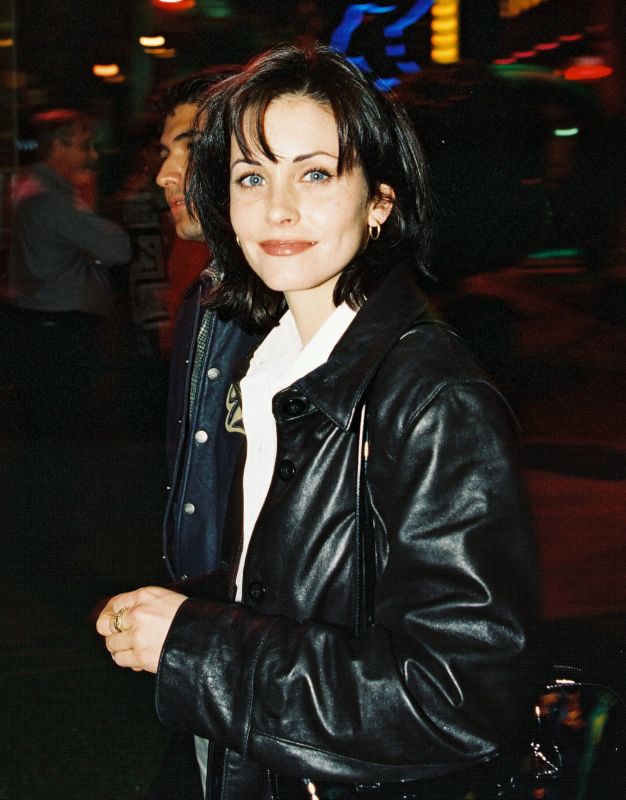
(116, 621)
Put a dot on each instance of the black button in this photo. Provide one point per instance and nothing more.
(294, 406)
(286, 470)
(256, 591)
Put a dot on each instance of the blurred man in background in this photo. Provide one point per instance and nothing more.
(59, 284)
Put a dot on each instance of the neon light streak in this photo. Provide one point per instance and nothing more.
(415, 13)
(352, 18)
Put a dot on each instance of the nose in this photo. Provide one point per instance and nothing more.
(283, 206)
(169, 176)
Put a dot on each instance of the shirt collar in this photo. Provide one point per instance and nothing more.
(284, 358)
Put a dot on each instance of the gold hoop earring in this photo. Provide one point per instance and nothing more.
(374, 231)
(237, 240)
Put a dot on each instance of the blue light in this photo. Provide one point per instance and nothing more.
(386, 84)
(395, 49)
(408, 66)
(360, 62)
(353, 17)
(416, 12)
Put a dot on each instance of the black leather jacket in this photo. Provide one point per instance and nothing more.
(436, 683)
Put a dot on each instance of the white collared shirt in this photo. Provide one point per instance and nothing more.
(278, 362)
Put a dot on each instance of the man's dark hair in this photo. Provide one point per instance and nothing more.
(374, 133)
(57, 124)
(190, 89)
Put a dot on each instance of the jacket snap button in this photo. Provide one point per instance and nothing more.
(256, 591)
(201, 437)
(286, 470)
(189, 508)
(213, 373)
(294, 406)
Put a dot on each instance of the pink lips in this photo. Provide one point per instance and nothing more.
(174, 204)
(284, 247)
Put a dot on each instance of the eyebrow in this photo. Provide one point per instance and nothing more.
(179, 138)
(295, 159)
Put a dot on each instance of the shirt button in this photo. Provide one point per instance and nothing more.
(213, 373)
(184, 577)
(286, 470)
(256, 591)
(294, 406)
(189, 508)
(201, 437)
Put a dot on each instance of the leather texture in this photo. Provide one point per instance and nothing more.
(437, 683)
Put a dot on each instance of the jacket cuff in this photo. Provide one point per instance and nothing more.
(206, 670)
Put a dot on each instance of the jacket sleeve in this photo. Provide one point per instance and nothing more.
(436, 682)
(48, 215)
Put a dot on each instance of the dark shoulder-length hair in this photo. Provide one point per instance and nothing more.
(374, 132)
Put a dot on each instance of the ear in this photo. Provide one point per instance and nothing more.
(381, 205)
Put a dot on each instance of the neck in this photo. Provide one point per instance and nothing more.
(311, 308)
(58, 167)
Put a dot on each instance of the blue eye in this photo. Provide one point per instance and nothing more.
(251, 181)
(317, 176)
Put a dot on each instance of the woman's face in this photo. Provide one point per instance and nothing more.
(298, 222)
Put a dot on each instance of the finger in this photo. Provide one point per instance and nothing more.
(104, 623)
(126, 659)
(119, 641)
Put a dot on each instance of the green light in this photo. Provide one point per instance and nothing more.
(560, 253)
(215, 8)
(563, 132)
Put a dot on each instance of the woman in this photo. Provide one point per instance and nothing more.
(374, 633)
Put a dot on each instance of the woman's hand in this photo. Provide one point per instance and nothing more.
(135, 625)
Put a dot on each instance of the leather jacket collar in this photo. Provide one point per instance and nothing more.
(336, 387)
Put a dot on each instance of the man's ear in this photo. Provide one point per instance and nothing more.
(381, 205)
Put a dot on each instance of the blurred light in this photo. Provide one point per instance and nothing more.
(395, 49)
(525, 53)
(443, 39)
(562, 133)
(162, 52)
(119, 78)
(174, 5)
(443, 10)
(444, 25)
(26, 145)
(352, 19)
(556, 253)
(219, 9)
(152, 41)
(6, 42)
(445, 32)
(386, 84)
(408, 67)
(571, 37)
(105, 70)
(512, 8)
(360, 62)
(415, 13)
(501, 61)
(587, 72)
(547, 46)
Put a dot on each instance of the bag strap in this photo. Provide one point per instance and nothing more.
(365, 542)
(364, 536)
